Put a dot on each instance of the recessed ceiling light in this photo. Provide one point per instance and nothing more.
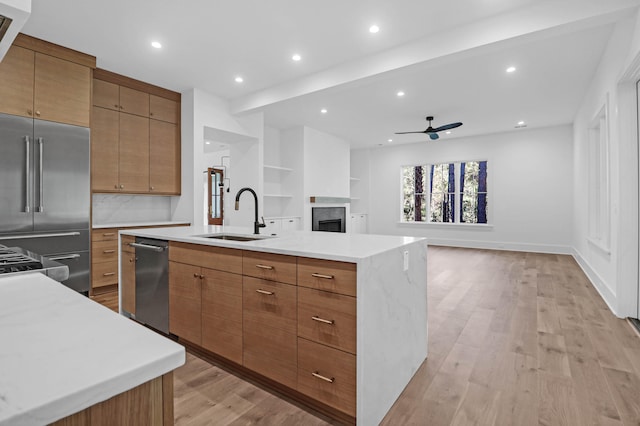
(156, 44)
(239, 79)
(296, 57)
(323, 110)
(374, 29)
(520, 123)
(208, 143)
(511, 69)
(389, 140)
(448, 132)
(400, 94)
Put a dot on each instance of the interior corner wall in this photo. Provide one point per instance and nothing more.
(199, 110)
(530, 182)
(615, 275)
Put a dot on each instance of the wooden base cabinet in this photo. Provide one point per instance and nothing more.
(128, 275)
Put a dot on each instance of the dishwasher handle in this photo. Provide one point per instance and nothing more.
(148, 247)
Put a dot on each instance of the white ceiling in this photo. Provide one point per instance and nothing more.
(448, 57)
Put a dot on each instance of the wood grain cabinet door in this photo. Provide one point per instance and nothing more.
(164, 158)
(134, 153)
(105, 131)
(163, 109)
(16, 82)
(62, 91)
(134, 102)
(106, 95)
(222, 314)
(128, 283)
(185, 301)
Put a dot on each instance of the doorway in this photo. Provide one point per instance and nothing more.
(215, 196)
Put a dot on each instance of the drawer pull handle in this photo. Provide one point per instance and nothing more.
(108, 274)
(321, 377)
(109, 234)
(108, 251)
(326, 277)
(269, 267)
(268, 293)
(196, 275)
(322, 320)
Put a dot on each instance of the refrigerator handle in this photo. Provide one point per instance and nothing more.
(40, 207)
(27, 202)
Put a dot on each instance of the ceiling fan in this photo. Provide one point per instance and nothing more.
(433, 133)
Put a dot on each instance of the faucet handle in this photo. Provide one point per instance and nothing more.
(262, 225)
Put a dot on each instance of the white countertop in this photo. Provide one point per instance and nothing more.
(136, 224)
(61, 352)
(321, 245)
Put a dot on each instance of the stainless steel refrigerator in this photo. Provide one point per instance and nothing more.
(44, 192)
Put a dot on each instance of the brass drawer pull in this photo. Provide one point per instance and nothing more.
(109, 234)
(326, 277)
(108, 274)
(268, 293)
(108, 251)
(269, 267)
(322, 320)
(321, 377)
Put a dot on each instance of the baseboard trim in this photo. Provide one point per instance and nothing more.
(507, 246)
(597, 282)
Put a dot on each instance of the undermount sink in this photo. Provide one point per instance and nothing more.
(234, 237)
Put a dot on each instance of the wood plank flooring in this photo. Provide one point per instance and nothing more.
(514, 339)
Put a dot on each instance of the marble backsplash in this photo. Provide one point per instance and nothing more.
(118, 208)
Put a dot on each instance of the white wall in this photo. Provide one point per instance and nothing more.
(614, 274)
(202, 110)
(326, 170)
(530, 182)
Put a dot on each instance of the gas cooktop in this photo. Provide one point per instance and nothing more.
(15, 260)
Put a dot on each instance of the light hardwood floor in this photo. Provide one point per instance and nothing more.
(514, 339)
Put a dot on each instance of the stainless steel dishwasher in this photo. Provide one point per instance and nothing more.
(152, 283)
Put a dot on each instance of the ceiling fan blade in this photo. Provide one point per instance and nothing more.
(433, 136)
(447, 127)
(404, 133)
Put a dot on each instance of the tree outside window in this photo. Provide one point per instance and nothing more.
(435, 192)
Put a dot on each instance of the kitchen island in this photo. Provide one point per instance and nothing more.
(336, 321)
(64, 356)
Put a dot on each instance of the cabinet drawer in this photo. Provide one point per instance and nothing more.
(222, 259)
(270, 303)
(105, 234)
(271, 352)
(327, 318)
(268, 266)
(328, 375)
(328, 275)
(104, 251)
(105, 273)
(126, 240)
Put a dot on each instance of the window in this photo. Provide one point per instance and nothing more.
(445, 193)
(599, 204)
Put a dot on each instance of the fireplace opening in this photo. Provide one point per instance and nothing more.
(328, 219)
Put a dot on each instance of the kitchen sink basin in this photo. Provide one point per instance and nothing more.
(233, 237)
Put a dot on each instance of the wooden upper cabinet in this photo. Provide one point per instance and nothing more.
(105, 134)
(16, 82)
(163, 109)
(134, 153)
(134, 101)
(106, 95)
(164, 158)
(62, 91)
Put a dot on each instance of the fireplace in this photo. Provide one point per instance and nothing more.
(328, 219)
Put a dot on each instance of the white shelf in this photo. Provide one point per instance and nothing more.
(278, 168)
(278, 195)
(355, 198)
(354, 179)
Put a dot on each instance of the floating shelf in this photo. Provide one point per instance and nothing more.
(278, 168)
(335, 200)
(278, 195)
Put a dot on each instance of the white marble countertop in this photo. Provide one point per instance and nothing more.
(136, 224)
(61, 352)
(321, 245)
